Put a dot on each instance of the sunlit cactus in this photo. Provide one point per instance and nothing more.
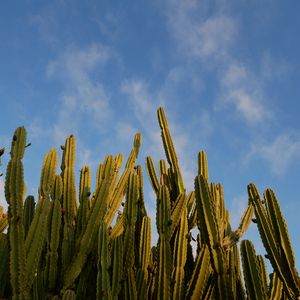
(98, 244)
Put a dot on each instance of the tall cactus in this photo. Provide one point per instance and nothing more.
(92, 249)
(274, 234)
(14, 194)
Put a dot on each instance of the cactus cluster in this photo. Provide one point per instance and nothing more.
(97, 244)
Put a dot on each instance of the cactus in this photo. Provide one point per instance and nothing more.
(62, 248)
(274, 234)
(254, 277)
(14, 194)
(103, 280)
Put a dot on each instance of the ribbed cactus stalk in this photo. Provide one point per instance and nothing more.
(29, 209)
(254, 277)
(179, 257)
(130, 217)
(197, 285)
(14, 194)
(69, 204)
(54, 240)
(38, 228)
(163, 219)
(170, 150)
(117, 263)
(69, 295)
(116, 198)
(144, 257)
(274, 234)
(84, 200)
(103, 278)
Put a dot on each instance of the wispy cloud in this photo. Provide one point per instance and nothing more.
(82, 96)
(210, 37)
(279, 153)
(240, 89)
(196, 34)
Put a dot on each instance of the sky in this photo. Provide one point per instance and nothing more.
(226, 73)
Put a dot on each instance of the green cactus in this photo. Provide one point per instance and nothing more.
(274, 234)
(14, 194)
(179, 257)
(117, 263)
(253, 274)
(103, 278)
(197, 284)
(91, 249)
(29, 210)
(163, 219)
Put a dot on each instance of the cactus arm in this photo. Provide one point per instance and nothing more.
(38, 228)
(48, 171)
(130, 217)
(103, 280)
(69, 295)
(179, 257)
(170, 150)
(252, 272)
(165, 254)
(29, 207)
(141, 284)
(118, 228)
(205, 212)
(234, 237)
(130, 286)
(144, 257)
(197, 284)
(145, 244)
(38, 232)
(280, 227)
(120, 189)
(117, 274)
(68, 175)
(54, 243)
(177, 210)
(84, 193)
(265, 231)
(203, 165)
(190, 201)
(152, 174)
(275, 287)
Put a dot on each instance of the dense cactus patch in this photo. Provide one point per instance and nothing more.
(61, 246)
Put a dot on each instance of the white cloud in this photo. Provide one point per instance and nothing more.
(209, 37)
(196, 35)
(82, 98)
(280, 153)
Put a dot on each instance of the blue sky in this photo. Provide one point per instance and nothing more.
(226, 72)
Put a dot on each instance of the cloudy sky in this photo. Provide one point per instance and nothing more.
(226, 72)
